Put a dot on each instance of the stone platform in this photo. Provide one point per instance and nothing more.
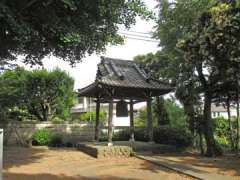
(101, 150)
(121, 148)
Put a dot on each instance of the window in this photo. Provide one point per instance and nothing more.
(214, 114)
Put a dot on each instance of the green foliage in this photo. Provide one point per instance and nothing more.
(57, 120)
(91, 116)
(67, 29)
(162, 135)
(173, 136)
(222, 131)
(40, 92)
(177, 117)
(139, 121)
(56, 140)
(41, 137)
(160, 112)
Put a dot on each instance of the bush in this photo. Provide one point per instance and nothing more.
(172, 136)
(41, 137)
(140, 134)
(57, 120)
(162, 135)
(121, 135)
(56, 141)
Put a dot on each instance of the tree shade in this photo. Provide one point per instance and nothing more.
(68, 29)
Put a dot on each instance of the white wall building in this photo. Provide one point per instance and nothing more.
(221, 111)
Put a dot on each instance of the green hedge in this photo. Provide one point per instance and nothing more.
(162, 135)
(172, 136)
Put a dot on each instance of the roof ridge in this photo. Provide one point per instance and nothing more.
(117, 59)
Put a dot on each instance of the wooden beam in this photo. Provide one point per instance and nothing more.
(110, 124)
(97, 128)
(131, 122)
(149, 120)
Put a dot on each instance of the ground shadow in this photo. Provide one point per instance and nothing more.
(20, 176)
(226, 165)
(18, 156)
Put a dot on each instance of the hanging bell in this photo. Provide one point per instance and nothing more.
(122, 109)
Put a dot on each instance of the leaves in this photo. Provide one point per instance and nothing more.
(67, 29)
(40, 92)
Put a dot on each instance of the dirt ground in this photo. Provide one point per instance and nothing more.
(226, 165)
(69, 164)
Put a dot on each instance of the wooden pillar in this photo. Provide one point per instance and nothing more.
(110, 124)
(131, 122)
(149, 120)
(97, 128)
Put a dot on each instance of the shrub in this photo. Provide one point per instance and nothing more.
(172, 136)
(121, 135)
(56, 141)
(162, 135)
(41, 137)
(57, 120)
(140, 134)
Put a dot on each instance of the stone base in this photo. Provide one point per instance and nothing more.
(101, 150)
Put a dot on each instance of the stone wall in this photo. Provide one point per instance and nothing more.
(20, 133)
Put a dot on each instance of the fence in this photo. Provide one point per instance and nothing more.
(20, 133)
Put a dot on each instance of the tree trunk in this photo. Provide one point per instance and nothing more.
(45, 113)
(149, 120)
(189, 110)
(230, 124)
(201, 144)
(212, 149)
(238, 124)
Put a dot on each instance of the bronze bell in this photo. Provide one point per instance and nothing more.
(122, 109)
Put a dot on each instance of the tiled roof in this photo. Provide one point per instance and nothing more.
(127, 77)
(124, 73)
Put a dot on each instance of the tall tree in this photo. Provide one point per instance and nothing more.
(67, 29)
(213, 51)
(48, 93)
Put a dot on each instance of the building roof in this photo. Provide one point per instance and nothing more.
(124, 78)
(218, 108)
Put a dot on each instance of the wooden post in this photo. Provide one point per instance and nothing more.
(131, 122)
(110, 124)
(149, 120)
(1, 153)
(97, 120)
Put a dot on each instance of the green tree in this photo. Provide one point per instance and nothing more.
(176, 23)
(68, 29)
(48, 93)
(39, 92)
(11, 91)
(160, 112)
(213, 49)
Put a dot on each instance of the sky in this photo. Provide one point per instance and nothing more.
(84, 73)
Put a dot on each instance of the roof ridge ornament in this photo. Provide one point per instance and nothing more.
(142, 72)
(117, 72)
